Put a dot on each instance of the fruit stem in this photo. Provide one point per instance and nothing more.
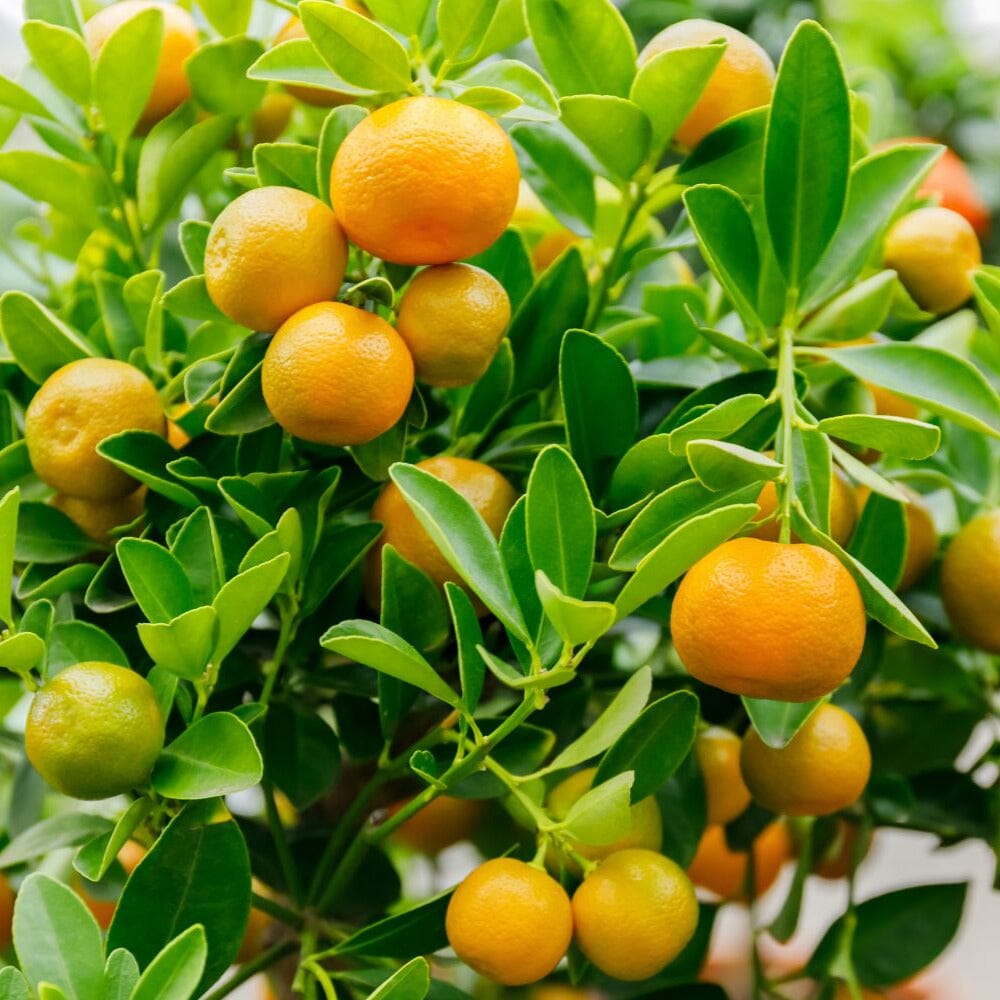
(633, 198)
(788, 397)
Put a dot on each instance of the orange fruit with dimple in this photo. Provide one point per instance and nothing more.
(337, 375)
(743, 79)
(970, 581)
(76, 408)
(726, 793)
(510, 922)
(171, 87)
(271, 252)
(723, 871)
(767, 620)
(98, 518)
(425, 180)
(634, 914)
(935, 252)
(489, 493)
(824, 767)
(103, 908)
(453, 317)
(843, 511)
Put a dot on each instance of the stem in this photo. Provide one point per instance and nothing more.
(539, 816)
(274, 909)
(289, 626)
(277, 828)
(246, 972)
(632, 201)
(786, 390)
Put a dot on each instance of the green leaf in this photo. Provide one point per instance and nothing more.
(404, 588)
(217, 72)
(987, 291)
(286, 164)
(243, 598)
(340, 548)
(732, 155)
(777, 722)
(124, 72)
(336, 128)
(183, 645)
(411, 982)
(71, 188)
(516, 78)
(243, 410)
(145, 457)
(855, 313)
(301, 754)
(47, 535)
(728, 243)
(405, 16)
(65, 830)
(897, 934)
(721, 465)
(39, 341)
(601, 815)
(96, 857)
(57, 940)
(590, 369)
(216, 756)
(376, 647)
(654, 745)
(806, 168)
(228, 17)
(720, 421)
(356, 48)
(8, 533)
(900, 436)
(680, 550)
(189, 298)
(15, 97)
(297, 62)
(576, 621)
(22, 652)
(462, 26)
(468, 637)
(174, 973)
(614, 129)
(624, 709)
(76, 642)
(416, 931)
(464, 540)
(156, 578)
(938, 380)
(584, 45)
(880, 538)
(669, 85)
(13, 986)
(121, 973)
(62, 12)
(560, 521)
(198, 872)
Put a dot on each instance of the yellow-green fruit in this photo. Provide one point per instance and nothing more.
(970, 581)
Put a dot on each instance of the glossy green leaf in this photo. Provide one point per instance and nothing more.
(96, 857)
(901, 436)
(66, 830)
(576, 621)
(777, 722)
(722, 465)
(856, 313)
(286, 164)
(13, 986)
(881, 537)
(40, 342)
(601, 815)
(145, 456)
(174, 973)
(301, 754)
(228, 17)
(719, 422)
(411, 982)
(298, 62)
(62, 56)
(156, 578)
(336, 128)
(418, 930)
(183, 645)
(243, 598)
(614, 129)
(8, 533)
(217, 72)
(405, 16)
(121, 973)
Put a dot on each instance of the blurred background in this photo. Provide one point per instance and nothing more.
(926, 68)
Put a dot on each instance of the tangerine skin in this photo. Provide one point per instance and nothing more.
(720, 870)
(425, 180)
(510, 922)
(337, 375)
(767, 620)
(271, 252)
(726, 793)
(970, 581)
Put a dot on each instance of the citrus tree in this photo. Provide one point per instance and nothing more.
(442, 421)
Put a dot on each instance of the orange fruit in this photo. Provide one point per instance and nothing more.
(316, 96)
(843, 511)
(337, 375)
(171, 87)
(453, 317)
(723, 871)
(76, 408)
(634, 914)
(98, 518)
(970, 581)
(645, 823)
(823, 769)
(934, 251)
(271, 252)
(6, 914)
(510, 922)
(94, 731)
(726, 793)
(563, 991)
(489, 493)
(425, 180)
(444, 821)
(837, 856)
(101, 907)
(743, 79)
(888, 404)
(766, 620)
(272, 117)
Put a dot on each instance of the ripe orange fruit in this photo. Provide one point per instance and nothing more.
(272, 252)
(337, 375)
(843, 511)
(834, 862)
(645, 823)
(171, 87)
(94, 731)
(767, 620)
(634, 914)
(888, 404)
(444, 821)
(489, 493)
(726, 793)
(934, 251)
(76, 408)
(453, 317)
(743, 79)
(723, 871)
(316, 96)
(563, 991)
(102, 907)
(823, 769)
(97, 519)
(510, 922)
(6, 914)
(970, 581)
(425, 181)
